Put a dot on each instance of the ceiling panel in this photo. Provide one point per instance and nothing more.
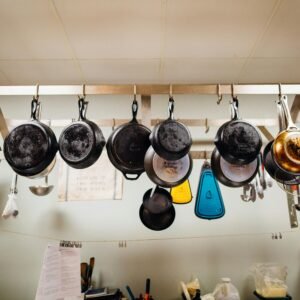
(30, 30)
(3, 79)
(43, 72)
(202, 70)
(263, 70)
(121, 71)
(112, 29)
(228, 28)
(282, 37)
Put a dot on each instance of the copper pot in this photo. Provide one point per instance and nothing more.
(286, 146)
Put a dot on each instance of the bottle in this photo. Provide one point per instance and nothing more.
(226, 290)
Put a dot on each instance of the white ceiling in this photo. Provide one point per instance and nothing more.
(149, 41)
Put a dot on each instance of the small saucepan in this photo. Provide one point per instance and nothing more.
(286, 146)
(232, 175)
(127, 146)
(159, 214)
(238, 141)
(171, 139)
(30, 148)
(167, 173)
(82, 142)
(157, 201)
(280, 175)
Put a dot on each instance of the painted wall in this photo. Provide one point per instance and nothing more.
(190, 247)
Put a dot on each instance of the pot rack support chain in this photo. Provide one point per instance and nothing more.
(153, 89)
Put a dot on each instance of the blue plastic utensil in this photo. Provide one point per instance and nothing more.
(209, 202)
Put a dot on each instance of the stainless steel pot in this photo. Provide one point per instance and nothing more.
(167, 173)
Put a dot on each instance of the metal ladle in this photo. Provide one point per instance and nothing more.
(42, 190)
(45, 189)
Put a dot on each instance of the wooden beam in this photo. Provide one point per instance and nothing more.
(3, 125)
(295, 108)
(266, 133)
(152, 89)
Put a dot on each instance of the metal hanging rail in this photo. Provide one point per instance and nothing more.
(153, 89)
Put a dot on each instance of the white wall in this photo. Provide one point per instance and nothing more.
(190, 247)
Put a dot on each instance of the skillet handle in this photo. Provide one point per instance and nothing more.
(235, 115)
(134, 177)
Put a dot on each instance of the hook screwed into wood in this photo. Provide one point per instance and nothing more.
(83, 93)
(36, 96)
(279, 90)
(220, 96)
(134, 92)
(171, 91)
(206, 126)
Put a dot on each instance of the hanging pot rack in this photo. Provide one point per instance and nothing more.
(157, 89)
(153, 89)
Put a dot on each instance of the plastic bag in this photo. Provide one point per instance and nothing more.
(270, 279)
(190, 289)
(10, 208)
(208, 297)
(226, 291)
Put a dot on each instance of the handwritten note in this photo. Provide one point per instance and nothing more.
(60, 275)
(99, 181)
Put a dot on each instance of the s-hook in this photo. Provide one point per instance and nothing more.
(220, 96)
(83, 93)
(171, 103)
(279, 90)
(206, 126)
(134, 92)
(134, 106)
(36, 96)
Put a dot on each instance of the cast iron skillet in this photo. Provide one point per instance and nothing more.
(127, 146)
(238, 141)
(157, 202)
(82, 142)
(232, 175)
(167, 173)
(30, 148)
(171, 139)
(157, 222)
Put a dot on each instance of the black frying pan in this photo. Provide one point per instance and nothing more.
(127, 146)
(30, 148)
(170, 139)
(82, 142)
(157, 222)
(157, 202)
(232, 175)
(238, 141)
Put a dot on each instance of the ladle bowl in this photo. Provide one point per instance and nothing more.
(42, 190)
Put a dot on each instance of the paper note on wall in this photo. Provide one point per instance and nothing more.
(60, 275)
(99, 181)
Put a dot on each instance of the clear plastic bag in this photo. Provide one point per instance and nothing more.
(270, 279)
(226, 291)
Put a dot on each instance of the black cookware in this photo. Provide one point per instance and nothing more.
(170, 139)
(157, 221)
(127, 145)
(157, 201)
(232, 175)
(82, 142)
(30, 148)
(238, 141)
(167, 173)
